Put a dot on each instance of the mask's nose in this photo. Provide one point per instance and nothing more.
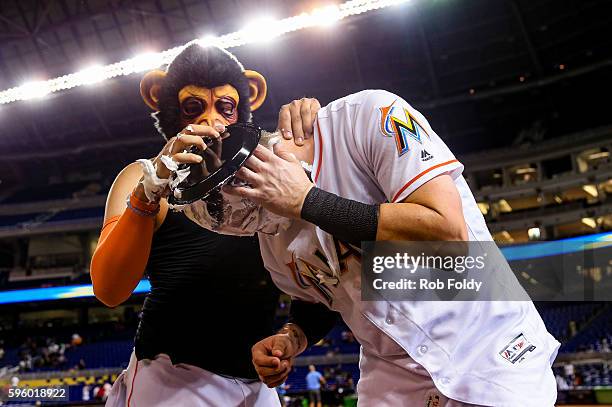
(204, 121)
(211, 119)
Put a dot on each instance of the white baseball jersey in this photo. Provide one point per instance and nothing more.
(373, 147)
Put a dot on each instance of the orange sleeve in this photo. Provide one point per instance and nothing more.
(119, 261)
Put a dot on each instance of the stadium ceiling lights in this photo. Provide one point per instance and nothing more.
(258, 31)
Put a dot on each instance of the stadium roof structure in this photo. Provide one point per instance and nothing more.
(481, 71)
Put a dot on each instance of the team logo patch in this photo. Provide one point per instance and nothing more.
(318, 274)
(307, 275)
(517, 349)
(397, 122)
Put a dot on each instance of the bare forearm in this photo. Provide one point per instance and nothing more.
(432, 212)
(409, 221)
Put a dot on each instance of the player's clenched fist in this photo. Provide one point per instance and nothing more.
(273, 356)
(273, 359)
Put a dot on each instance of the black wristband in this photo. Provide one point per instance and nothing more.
(315, 319)
(350, 221)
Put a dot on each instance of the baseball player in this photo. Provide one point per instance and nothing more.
(380, 172)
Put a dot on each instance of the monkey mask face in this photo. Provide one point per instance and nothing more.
(208, 86)
(202, 85)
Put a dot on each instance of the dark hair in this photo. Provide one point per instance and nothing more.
(206, 67)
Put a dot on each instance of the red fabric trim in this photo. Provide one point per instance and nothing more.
(316, 177)
(132, 388)
(412, 181)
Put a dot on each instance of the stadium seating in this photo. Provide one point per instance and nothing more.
(558, 318)
(102, 354)
(46, 192)
(588, 375)
(591, 339)
(13, 220)
(114, 347)
(40, 213)
(107, 346)
(334, 343)
(77, 214)
(595, 374)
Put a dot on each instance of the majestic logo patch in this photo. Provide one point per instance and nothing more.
(397, 122)
(517, 349)
(425, 156)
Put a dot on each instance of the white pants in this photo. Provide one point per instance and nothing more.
(398, 381)
(158, 383)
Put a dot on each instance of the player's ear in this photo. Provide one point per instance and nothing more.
(150, 86)
(257, 88)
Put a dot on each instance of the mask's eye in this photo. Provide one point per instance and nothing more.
(226, 107)
(192, 108)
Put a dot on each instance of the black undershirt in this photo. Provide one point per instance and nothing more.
(211, 299)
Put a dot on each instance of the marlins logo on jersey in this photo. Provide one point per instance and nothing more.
(322, 278)
(306, 274)
(397, 122)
